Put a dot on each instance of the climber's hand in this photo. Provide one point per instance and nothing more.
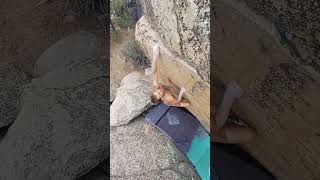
(155, 51)
(234, 90)
(182, 90)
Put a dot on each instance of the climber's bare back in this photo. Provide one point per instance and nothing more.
(160, 93)
(168, 98)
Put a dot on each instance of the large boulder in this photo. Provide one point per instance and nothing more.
(11, 87)
(133, 98)
(184, 27)
(270, 49)
(77, 46)
(137, 155)
(62, 129)
(175, 72)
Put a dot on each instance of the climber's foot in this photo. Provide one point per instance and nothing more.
(234, 134)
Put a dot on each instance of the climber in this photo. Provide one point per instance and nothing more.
(230, 133)
(160, 93)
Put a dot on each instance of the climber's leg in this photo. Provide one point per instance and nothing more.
(180, 104)
(184, 103)
(233, 134)
(232, 92)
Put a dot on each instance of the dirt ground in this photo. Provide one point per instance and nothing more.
(26, 31)
(119, 68)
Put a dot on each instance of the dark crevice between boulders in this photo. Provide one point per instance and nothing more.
(218, 89)
(100, 172)
(4, 130)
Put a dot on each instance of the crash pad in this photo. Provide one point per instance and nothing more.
(186, 132)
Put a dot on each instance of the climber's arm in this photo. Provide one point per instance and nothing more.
(155, 81)
(182, 90)
(154, 66)
(233, 91)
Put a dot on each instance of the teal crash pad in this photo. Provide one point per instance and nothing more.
(199, 155)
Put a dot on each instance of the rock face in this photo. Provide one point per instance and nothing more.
(270, 48)
(136, 155)
(298, 23)
(183, 26)
(133, 98)
(182, 30)
(62, 130)
(11, 86)
(175, 72)
(66, 51)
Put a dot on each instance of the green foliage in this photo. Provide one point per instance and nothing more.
(117, 7)
(121, 15)
(124, 20)
(132, 51)
(87, 7)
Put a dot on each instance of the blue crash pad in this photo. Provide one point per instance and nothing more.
(186, 132)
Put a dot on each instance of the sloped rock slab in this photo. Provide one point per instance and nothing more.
(133, 98)
(184, 26)
(11, 88)
(62, 129)
(136, 155)
(77, 46)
